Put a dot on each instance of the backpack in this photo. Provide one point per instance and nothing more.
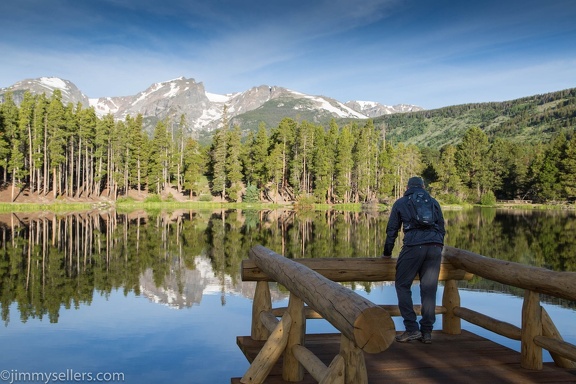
(422, 209)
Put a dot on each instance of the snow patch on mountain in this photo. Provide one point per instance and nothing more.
(173, 90)
(215, 98)
(366, 104)
(54, 82)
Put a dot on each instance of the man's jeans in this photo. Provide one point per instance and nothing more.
(423, 260)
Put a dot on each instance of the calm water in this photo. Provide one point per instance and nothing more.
(157, 297)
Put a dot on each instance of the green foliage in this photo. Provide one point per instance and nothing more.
(252, 194)
(205, 197)
(154, 198)
(488, 199)
(125, 200)
(305, 201)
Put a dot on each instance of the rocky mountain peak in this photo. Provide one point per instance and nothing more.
(46, 85)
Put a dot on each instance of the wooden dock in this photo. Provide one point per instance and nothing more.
(466, 358)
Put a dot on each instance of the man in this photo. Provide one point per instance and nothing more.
(421, 254)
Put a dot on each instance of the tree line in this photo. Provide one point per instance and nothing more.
(47, 147)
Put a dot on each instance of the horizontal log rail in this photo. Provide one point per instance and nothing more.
(393, 310)
(557, 284)
(351, 269)
(500, 327)
(538, 330)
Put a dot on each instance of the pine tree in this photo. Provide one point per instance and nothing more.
(471, 160)
(193, 166)
(386, 171)
(282, 138)
(16, 140)
(159, 158)
(302, 152)
(4, 146)
(321, 165)
(55, 140)
(331, 143)
(364, 163)
(104, 128)
(178, 152)
(407, 162)
(87, 122)
(259, 157)
(447, 185)
(343, 166)
(218, 153)
(276, 168)
(26, 122)
(39, 138)
(547, 180)
(247, 160)
(568, 168)
(233, 164)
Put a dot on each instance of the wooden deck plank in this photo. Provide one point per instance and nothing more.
(465, 358)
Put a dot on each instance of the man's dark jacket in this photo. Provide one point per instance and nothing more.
(402, 214)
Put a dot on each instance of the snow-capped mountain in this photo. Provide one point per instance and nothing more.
(373, 109)
(204, 111)
(46, 85)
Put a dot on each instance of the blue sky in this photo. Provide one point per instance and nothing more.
(423, 52)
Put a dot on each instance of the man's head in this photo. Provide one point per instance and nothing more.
(415, 182)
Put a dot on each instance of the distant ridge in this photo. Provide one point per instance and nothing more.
(532, 119)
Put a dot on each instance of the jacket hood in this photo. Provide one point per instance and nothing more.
(412, 190)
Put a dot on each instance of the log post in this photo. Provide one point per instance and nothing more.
(451, 323)
(369, 326)
(336, 372)
(292, 370)
(315, 367)
(550, 330)
(531, 327)
(269, 354)
(354, 362)
(262, 303)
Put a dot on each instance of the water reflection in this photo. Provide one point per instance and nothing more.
(50, 261)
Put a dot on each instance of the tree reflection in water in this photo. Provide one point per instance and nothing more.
(48, 261)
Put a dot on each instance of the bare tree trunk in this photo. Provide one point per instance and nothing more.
(54, 182)
(13, 184)
(30, 158)
(46, 174)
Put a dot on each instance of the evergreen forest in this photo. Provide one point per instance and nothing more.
(519, 150)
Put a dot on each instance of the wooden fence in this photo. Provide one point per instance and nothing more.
(316, 293)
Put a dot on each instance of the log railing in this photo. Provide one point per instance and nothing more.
(315, 292)
(538, 330)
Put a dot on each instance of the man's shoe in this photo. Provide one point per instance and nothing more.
(426, 338)
(409, 336)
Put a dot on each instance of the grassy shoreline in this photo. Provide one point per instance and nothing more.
(130, 205)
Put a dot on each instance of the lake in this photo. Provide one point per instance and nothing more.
(149, 297)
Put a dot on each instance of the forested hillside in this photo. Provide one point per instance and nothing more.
(523, 149)
(530, 119)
